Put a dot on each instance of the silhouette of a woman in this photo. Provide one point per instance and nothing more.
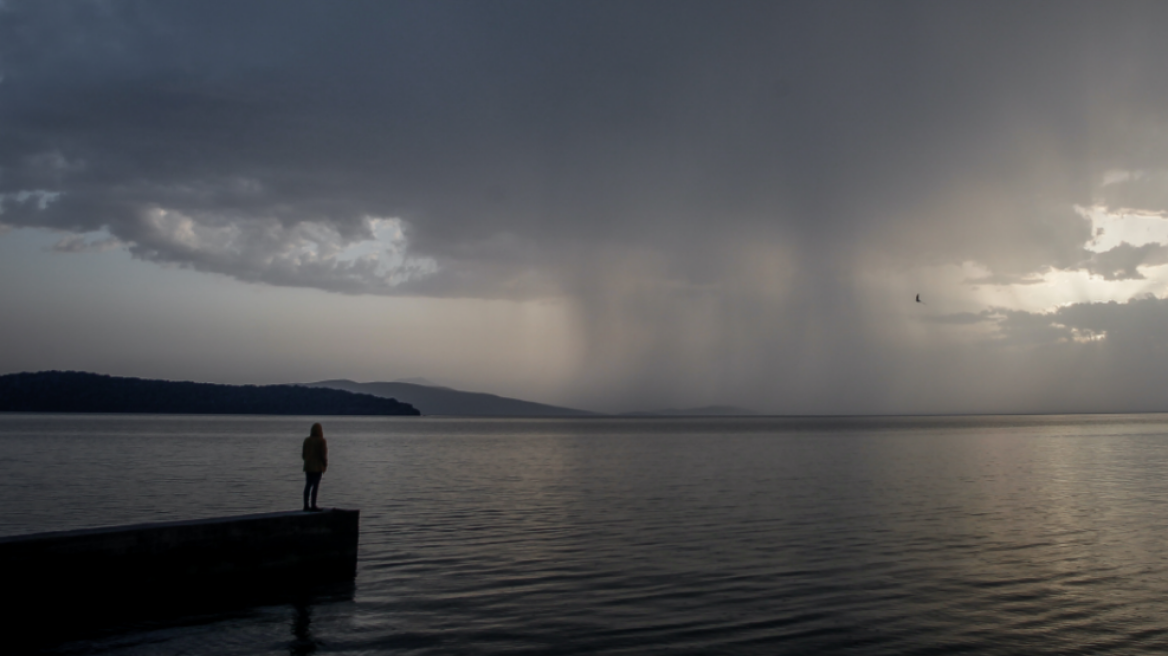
(315, 455)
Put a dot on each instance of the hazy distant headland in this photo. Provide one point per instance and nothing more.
(705, 411)
(75, 391)
(435, 400)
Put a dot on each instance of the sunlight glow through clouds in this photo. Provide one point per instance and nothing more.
(952, 289)
(1059, 287)
(1135, 227)
(970, 302)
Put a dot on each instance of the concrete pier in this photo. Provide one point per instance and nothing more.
(87, 573)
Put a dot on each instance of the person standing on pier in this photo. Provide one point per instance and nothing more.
(315, 455)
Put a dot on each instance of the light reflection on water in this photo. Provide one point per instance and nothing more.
(987, 535)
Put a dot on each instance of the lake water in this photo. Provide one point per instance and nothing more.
(976, 535)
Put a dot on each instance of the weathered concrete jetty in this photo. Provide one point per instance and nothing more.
(187, 563)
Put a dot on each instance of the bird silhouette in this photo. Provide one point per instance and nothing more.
(919, 299)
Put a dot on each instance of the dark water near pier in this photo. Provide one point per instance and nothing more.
(977, 535)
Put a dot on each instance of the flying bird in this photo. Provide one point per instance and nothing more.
(919, 300)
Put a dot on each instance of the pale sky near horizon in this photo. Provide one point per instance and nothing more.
(607, 205)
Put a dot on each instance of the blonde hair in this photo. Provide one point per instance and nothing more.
(317, 431)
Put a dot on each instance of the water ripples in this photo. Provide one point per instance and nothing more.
(760, 536)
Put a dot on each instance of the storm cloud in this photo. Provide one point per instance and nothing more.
(740, 200)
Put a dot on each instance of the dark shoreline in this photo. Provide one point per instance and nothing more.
(80, 392)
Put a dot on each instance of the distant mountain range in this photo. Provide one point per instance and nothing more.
(434, 400)
(76, 391)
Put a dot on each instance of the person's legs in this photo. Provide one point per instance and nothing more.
(311, 485)
(315, 489)
(311, 482)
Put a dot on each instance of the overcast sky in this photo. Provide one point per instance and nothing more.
(608, 205)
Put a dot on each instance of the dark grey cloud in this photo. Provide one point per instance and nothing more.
(1089, 357)
(1125, 324)
(510, 132)
(1137, 188)
(710, 182)
(1123, 261)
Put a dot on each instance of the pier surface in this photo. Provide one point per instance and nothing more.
(69, 573)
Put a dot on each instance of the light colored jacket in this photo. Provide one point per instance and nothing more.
(315, 454)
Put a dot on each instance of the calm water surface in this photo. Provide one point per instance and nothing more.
(978, 535)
